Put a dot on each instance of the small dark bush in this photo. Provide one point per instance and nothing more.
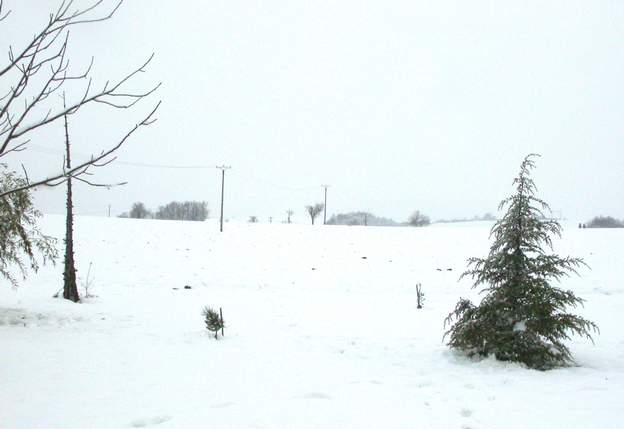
(420, 296)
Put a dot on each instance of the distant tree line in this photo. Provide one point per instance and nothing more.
(360, 218)
(417, 218)
(475, 218)
(185, 210)
(605, 222)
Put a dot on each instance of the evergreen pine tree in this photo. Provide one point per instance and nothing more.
(20, 238)
(522, 318)
(213, 320)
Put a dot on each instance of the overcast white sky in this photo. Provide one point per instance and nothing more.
(398, 105)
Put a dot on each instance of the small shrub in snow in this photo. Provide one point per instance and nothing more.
(420, 296)
(86, 285)
(522, 317)
(213, 320)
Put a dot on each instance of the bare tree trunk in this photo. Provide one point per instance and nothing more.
(70, 290)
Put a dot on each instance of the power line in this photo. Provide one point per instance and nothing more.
(145, 165)
(246, 177)
(45, 150)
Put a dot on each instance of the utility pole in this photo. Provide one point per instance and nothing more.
(222, 168)
(325, 205)
(109, 207)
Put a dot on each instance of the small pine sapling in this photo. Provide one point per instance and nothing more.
(522, 318)
(420, 296)
(213, 320)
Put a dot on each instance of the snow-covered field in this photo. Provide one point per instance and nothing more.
(322, 331)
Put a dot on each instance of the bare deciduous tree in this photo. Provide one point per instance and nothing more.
(40, 69)
(70, 290)
(314, 210)
(139, 211)
(418, 219)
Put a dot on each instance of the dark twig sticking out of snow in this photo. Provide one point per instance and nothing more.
(420, 296)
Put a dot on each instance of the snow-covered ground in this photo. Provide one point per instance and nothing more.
(322, 331)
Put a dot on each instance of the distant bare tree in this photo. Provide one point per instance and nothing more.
(314, 210)
(139, 211)
(40, 69)
(418, 219)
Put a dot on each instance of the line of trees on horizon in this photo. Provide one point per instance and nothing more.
(185, 210)
(604, 222)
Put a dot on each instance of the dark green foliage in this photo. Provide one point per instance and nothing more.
(20, 239)
(522, 318)
(213, 320)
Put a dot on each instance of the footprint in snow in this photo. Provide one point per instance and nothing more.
(223, 405)
(313, 395)
(141, 423)
(465, 412)
(374, 382)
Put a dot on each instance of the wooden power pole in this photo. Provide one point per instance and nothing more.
(222, 168)
(325, 205)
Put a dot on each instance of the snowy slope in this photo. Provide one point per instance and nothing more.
(322, 331)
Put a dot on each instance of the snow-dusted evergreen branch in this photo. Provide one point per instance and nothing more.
(522, 316)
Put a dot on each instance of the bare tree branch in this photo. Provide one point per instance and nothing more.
(94, 161)
(100, 185)
(2, 17)
(58, 22)
(99, 97)
(41, 69)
